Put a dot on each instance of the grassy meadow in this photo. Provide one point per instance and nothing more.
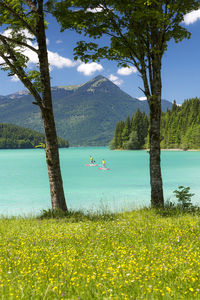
(133, 255)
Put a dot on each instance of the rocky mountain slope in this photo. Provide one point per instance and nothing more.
(85, 114)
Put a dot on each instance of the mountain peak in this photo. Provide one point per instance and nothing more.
(85, 114)
(100, 84)
(19, 94)
(99, 77)
(95, 83)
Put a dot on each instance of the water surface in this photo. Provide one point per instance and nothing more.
(24, 186)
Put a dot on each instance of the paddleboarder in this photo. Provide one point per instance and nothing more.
(103, 163)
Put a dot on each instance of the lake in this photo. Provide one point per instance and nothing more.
(24, 187)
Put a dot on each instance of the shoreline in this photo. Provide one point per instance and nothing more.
(163, 149)
(177, 149)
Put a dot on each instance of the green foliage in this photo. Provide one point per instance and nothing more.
(184, 205)
(132, 134)
(183, 196)
(133, 141)
(126, 130)
(41, 145)
(34, 76)
(53, 214)
(129, 24)
(15, 137)
(179, 128)
(20, 20)
(78, 216)
(118, 141)
(112, 144)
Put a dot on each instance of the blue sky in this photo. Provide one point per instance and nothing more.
(180, 68)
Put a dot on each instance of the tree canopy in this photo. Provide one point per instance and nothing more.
(138, 29)
(18, 33)
(16, 137)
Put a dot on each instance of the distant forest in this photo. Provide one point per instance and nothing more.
(16, 137)
(180, 128)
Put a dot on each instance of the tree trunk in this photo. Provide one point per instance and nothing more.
(157, 199)
(52, 154)
(53, 162)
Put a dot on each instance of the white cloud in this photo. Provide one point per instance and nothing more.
(59, 42)
(33, 58)
(55, 60)
(142, 98)
(192, 17)
(94, 10)
(89, 68)
(127, 71)
(115, 79)
(15, 78)
(59, 61)
(8, 33)
(1, 61)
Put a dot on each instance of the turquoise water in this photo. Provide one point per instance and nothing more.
(24, 184)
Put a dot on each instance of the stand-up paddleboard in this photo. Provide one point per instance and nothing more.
(92, 165)
(104, 169)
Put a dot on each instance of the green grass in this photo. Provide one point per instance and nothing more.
(135, 255)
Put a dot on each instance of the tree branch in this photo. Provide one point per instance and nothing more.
(19, 71)
(141, 89)
(126, 43)
(149, 59)
(19, 43)
(18, 16)
(32, 5)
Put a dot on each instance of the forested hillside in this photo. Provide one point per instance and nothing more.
(85, 114)
(131, 134)
(16, 137)
(180, 128)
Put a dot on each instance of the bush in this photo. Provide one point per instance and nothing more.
(184, 197)
(53, 214)
(77, 216)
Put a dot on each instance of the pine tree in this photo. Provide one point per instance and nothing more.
(126, 131)
(118, 142)
(133, 142)
(140, 124)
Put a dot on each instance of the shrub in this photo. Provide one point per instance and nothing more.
(184, 197)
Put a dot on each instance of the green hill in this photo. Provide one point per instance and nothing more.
(85, 114)
(180, 128)
(15, 137)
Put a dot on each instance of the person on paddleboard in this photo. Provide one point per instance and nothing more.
(103, 163)
(91, 160)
